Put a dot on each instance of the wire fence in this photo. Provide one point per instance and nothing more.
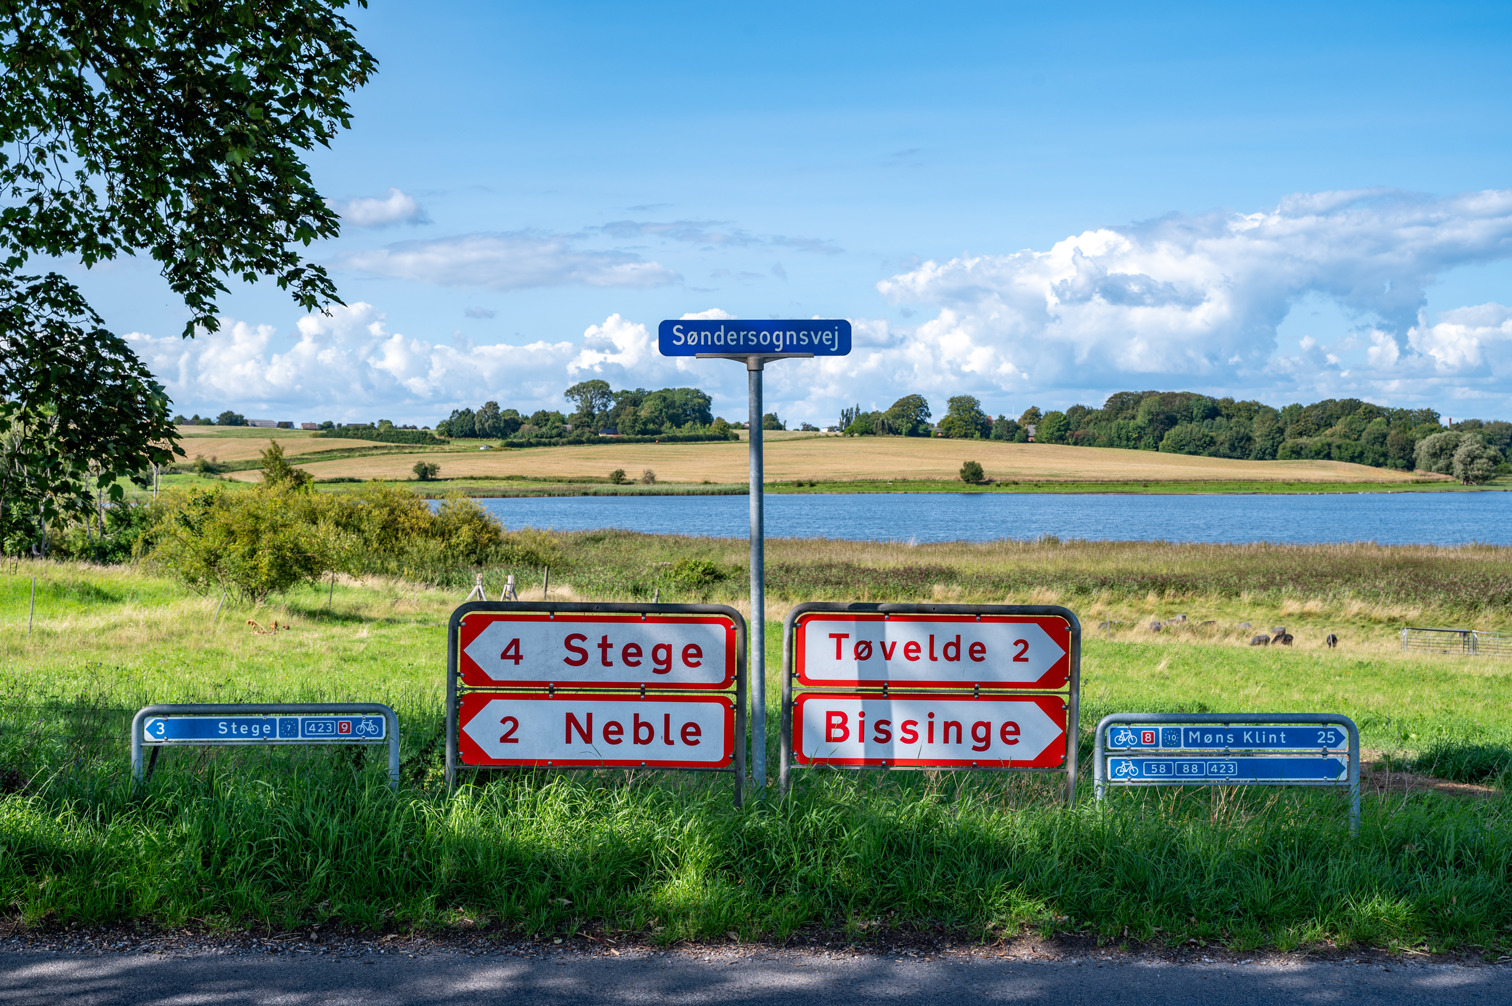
(1470, 642)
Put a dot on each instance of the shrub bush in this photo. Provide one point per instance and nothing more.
(1475, 461)
(384, 435)
(255, 542)
(426, 471)
(618, 477)
(972, 474)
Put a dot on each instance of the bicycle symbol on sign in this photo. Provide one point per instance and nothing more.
(1124, 769)
(368, 726)
(1124, 737)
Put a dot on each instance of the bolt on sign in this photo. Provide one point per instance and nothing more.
(931, 686)
(569, 685)
(1228, 749)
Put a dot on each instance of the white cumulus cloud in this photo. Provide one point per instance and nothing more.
(395, 207)
(1197, 300)
(349, 365)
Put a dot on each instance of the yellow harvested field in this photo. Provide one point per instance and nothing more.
(846, 458)
(247, 448)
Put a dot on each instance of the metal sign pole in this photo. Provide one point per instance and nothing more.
(754, 343)
(757, 659)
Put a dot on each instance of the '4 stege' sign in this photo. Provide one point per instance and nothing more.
(570, 685)
(658, 651)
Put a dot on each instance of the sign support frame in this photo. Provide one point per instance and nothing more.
(1351, 778)
(755, 366)
(1073, 677)
(453, 672)
(139, 776)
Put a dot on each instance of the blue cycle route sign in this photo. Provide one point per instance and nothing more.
(1145, 736)
(820, 337)
(302, 729)
(1234, 769)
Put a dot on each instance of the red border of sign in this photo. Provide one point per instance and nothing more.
(1053, 756)
(473, 702)
(1055, 677)
(475, 622)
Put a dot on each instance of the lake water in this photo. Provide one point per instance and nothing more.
(1428, 518)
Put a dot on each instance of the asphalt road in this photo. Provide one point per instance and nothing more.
(35, 979)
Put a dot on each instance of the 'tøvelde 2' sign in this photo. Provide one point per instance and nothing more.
(993, 651)
(931, 686)
(827, 337)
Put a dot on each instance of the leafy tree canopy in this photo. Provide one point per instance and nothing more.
(172, 129)
(166, 129)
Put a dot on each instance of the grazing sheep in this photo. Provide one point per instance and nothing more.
(1279, 630)
(1179, 618)
(1285, 639)
(1260, 640)
(1245, 625)
(1332, 640)
(1207, 625)
(1155, 626)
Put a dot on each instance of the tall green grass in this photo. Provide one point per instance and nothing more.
(226, 838)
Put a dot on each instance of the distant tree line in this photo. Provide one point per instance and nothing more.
(597, 408)
(1185, 422)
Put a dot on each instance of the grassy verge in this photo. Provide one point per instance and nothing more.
(228, 838)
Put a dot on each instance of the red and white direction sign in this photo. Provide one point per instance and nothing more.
(658, 651)
(596, 730)
(855, 648)
(935, 731)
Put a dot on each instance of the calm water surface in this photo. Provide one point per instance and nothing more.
(1451, 518)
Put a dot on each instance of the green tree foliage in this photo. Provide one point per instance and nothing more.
(78, 411)
(1475, 461)
(965, 420)
(174, 131)
(1030, 416)
(152, 130)
(273, 537)
(254, 543)
(907, 417)
(426, 471)
(630, 413)
(276, 469)
(618, 477)
(592, 398)
(229, 418)
(771, 422)
(1184, 422)
(1436, 453)
(1007, 430)
(972, 474)
(1052, 428)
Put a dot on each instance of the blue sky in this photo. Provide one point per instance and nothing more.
(1034, 206)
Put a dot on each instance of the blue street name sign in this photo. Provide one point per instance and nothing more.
(1233, 769)
(826, 337)
(303, 729)
(1144, 736)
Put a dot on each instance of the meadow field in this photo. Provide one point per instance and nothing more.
(225, 840)
(837, 463)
